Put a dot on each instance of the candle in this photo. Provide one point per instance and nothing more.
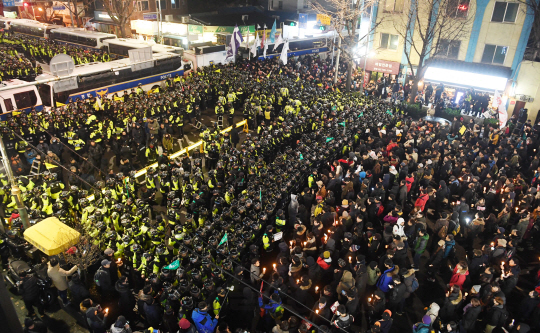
(305, 243)
(350, 259)
(264, 270)
(290, 242)
(297, 281)
(316, 288)
(369, 299)
(274, 266)
(317, 311)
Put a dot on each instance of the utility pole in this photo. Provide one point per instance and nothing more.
(15, 190)
(337, 60)
(160, 24)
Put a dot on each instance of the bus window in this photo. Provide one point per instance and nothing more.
(8, 104)
(44, 91)
(25, 99)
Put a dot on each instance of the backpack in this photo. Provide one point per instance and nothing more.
(453, 227)
(414, 285)
(97, 276)
(443, 232)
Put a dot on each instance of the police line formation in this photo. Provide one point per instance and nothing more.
(308, 226)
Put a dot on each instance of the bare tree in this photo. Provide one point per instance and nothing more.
(120, 12)
(438, 24)
(532, 7)
(84, 254)
(47, 14)
(77, 9)
(345, 15)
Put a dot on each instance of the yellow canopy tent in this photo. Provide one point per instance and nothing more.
(51, 236)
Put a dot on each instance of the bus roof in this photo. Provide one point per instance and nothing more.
(83, 32)
(137, 44)
(12, 83)
(32, 23)
(97, 67)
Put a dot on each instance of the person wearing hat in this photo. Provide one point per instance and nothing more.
(109, 255)
(186, 327)
(103, 278)
(31, 326)
(59, 278)
(423, 326)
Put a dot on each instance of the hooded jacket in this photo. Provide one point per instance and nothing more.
(459, 277)
(347, 283)
(386, 278)
(203, 321)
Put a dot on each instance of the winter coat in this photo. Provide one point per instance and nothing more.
(153, 314)
(495, 315)
(29, 288)
(203, 321)
(459, 277)
(451, 302)
(421, 328)
(115, 329)
(408, 279)
(372, 275)
(59, 276)
(469, 316)
(78, 292)
(127, 299)
(346, 283)
(420, 244)
(386, 278)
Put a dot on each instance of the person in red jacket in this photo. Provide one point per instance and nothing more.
(325, 261)
(422, 200)
(459, 275)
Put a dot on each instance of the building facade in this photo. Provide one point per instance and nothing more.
(486, 56)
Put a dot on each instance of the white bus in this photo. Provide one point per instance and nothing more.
(93, 79)
(121, 46)
(80, 37)
(32, 28)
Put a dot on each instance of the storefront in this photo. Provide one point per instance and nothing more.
(377, 68)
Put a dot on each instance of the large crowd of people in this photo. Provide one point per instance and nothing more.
(336, 212)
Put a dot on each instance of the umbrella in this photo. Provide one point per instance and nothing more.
(51, 236)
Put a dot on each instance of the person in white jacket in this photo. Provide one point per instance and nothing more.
(399, 228)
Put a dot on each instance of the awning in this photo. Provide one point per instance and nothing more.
(51, 236)
(468, 74)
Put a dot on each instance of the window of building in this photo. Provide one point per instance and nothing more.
(389, 41)
(457, 8)
(163, 4)
(494, 54)
(280, 4)
(8, 103)
(505, 12)
(144, 6)
(175, 4)
(394, 6)
(306, 3)
(449, 48)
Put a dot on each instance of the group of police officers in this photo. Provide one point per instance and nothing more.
(294, 129)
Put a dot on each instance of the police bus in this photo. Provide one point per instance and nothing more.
(32, 28)
(93, 79)
(297, 47)
(121, 46)
(80, 37)
(5, 22)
